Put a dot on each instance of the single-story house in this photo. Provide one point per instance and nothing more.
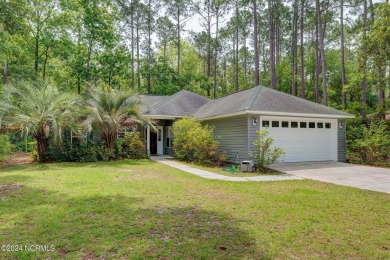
(307, 131)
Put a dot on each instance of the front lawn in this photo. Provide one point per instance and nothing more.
(143, 209)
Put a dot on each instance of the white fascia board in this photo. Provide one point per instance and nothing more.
(225, 115)
(162, 117)
(270, 113)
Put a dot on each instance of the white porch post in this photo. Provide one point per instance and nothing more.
(148, 139)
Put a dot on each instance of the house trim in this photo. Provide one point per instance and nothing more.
(270, 113)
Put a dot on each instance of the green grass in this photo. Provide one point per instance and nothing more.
(143, 209)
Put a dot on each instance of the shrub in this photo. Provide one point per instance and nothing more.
(132, 146)
(265, 154)
(80, 152)
(193, 142)
(21, 143)
(369, 144)
(5, 147)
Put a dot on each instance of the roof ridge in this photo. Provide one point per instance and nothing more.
(253, 98)
(172, 96)
(164, 101)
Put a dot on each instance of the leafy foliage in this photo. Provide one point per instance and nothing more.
(265, 154)
(110, 109)
(132, 146)
(85, 152)
(369, 144)
(40, 109)
(193, 142)
(5, 147)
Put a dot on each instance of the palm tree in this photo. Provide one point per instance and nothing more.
(40, 109)
(111, 109)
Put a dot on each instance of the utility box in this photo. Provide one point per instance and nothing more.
(247, 166)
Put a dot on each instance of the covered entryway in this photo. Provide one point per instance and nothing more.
(155, 141)
(303, 139)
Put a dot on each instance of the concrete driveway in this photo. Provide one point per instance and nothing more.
(363, 177)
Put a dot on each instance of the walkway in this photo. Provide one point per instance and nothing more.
(214, 176)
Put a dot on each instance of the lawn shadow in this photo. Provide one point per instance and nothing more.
(118, 226)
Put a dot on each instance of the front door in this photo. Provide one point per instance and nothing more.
(160, 139)
(153, 143)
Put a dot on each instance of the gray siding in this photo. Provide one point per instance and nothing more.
(253, 131)
(341, 141)
(232, 133)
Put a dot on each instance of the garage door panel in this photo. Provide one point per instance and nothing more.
(303, 144)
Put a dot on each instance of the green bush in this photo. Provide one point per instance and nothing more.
(5, 147)
(21, 143)
(85, 152)
(193, 142)
(132, 146)
(368, 144)
(265, 154)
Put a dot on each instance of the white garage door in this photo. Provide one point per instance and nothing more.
(304, 139)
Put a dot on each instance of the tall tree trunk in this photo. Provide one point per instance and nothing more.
(178, 41)
(364, 61)
(343, 78)
(5, 73)
(271, 43)
(138, 60)
(42, 143)
(294, 43)
(372, 13)
(45, 64)
(36, 53)
(87, 73)
(317, 76)
(132, 46)
(322, 52)
(255, 43)
(79, 84)
(216, 56)
(149, 43)
(303, 89)
(236, 57)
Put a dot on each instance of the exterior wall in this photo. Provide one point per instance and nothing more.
(341, 141)
(252, 130)
(233, 136)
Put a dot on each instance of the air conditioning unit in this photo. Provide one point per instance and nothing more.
(247, 166)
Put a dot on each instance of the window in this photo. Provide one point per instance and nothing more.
(302, 124)
(275, 123)
(320, 125)
(327, 125)
(265, 124)
(294, 124)
(312, 125)
(75, 138)
(284, 124)
(169, 136)
(123, 130)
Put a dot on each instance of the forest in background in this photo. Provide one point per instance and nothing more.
(336, 53)
(332, 52)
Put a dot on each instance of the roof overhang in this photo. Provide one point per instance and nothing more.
(164, 117)
(270, 113)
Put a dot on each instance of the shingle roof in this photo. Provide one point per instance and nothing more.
(180, 104)
(263, 99)
(149, 101)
